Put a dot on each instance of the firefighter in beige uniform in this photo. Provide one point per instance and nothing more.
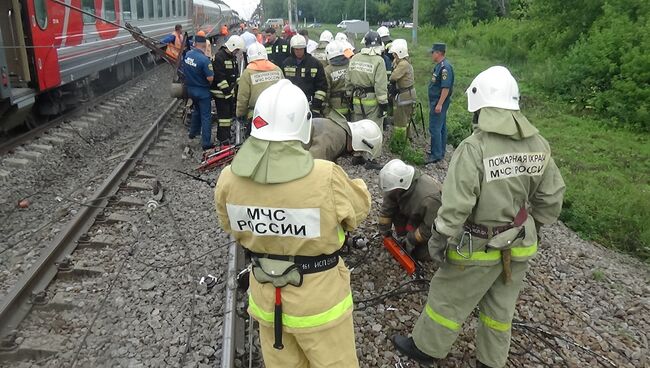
(501, 186)
(366, 81)
(259, 75)
(334, 136)
(402, 81)
(335, 73)
(291, 211)
(320, 54)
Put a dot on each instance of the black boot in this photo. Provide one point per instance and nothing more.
(406, 346)
(372, 165)
(421, 253)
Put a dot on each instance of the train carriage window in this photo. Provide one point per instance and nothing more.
(139, 4)
(174, 8)
(184, 7)
(126, 9)
(150, 12)
(167, 13)
(109, 10)
(89, 6)
(160, 9)
(41, 13)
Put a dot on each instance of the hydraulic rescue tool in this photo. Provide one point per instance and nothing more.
(223, 155)
(400, 254)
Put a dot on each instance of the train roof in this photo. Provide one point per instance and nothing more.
(208, 4)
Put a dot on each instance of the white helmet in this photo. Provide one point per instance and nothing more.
(256, 51)
(383, 31)
(396, 174)
(494, 87)
(366, 137)
(399, 47)
(341, 37)
(334, 49)
(248, 38)
(298, 42)
(282, 114)
(326, 36)
(347, 46)
(235, 42)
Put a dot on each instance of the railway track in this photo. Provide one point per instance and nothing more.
(10, 143)
(55, 260)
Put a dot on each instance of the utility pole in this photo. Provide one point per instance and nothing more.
(415, 22)
(365, 5)
(289, 10)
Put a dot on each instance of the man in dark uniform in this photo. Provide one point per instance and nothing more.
(198, 76)
(440, 89)
(277, 49)
(226, 73)
(306, 72)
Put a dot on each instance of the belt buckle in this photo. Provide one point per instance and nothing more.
(469, 242)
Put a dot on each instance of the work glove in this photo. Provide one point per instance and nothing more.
(437, 246)
(316, 105)
(383, 109)
(385, 229)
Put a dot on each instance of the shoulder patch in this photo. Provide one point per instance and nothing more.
(444, 74)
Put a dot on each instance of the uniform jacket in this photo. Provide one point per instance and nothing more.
(335, 75)
(403, 76)
(442, 77)
(256, 78)
(504, 166)
(196, 68)
(320, 54)
(278, 51)
(308, 75)
(417, 205)
(330, 137)
(226, 73)
(306, 216)
(366, 71)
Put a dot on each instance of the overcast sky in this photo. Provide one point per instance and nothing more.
(243, 7)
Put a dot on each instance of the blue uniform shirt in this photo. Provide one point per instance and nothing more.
(443, 77)
(196, 68)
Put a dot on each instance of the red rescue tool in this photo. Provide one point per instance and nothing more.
(400, 255)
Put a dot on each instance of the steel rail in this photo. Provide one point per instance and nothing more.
(229, 331)
(11, 144)
(16, 304)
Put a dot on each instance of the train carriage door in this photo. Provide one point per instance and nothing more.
(12, 40)
(46, 58)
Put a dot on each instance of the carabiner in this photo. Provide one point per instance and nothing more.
(470, 245)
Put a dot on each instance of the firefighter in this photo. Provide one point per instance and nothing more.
(226, 74)
(277, 49)
(366, 81)
(334, 136)
(259, 75)
(290, 212)
(174, 42)
(384, 33)
(306, 72)
(335, 72)
(325, 39)
(401, 86)
(288, 32)
(411, 201)
(198, 74)
(502, 185)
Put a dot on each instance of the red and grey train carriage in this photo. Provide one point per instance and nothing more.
(50, 53)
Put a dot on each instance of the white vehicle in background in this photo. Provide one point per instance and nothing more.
(344, 23)
(408, 25)
(274, 22)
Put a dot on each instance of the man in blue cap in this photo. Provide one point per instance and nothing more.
(440, 89)
(198, 74)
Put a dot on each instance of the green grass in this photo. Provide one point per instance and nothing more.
(606, 170)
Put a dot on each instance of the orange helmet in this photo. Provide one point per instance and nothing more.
(200, 34)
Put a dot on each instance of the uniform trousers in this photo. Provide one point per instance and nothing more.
(202, 115)
(438, 130)
(454, 292)
(330, 348)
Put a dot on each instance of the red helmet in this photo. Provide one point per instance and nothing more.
(288, 31)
